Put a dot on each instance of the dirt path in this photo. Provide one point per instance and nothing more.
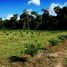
(59, 65)
(57, 54)
(60, 59)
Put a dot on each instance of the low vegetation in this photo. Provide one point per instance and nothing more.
(54, 42)
(62, 37)
(32, 49)
(15, 43)
(65, 62)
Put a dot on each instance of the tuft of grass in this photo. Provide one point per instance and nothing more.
(65, 62)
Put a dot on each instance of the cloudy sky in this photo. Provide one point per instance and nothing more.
(10, 7)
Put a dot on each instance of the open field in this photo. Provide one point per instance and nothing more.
(12, 43)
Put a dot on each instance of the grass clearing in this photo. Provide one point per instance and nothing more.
(12, 41)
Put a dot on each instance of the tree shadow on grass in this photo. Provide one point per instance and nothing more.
(17, 59)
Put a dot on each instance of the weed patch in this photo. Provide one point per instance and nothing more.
(32, 49)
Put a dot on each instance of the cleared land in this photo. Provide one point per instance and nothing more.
(12, 43)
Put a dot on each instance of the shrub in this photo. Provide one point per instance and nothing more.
(32, 49)
(62, 37)
(65, 36)
(53, 42)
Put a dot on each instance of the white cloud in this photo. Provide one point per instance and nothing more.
(62, 5)
(29, 11)
(36, 2)
(51, 8)
(9, 16)
(3, 18)
(18, 18)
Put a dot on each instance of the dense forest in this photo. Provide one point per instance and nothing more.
(35, 21)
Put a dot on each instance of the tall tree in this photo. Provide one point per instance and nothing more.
(45, 18)
(25, 19)
(13, 21)
(1, 23)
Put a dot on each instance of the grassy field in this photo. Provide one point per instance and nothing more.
(12, 41)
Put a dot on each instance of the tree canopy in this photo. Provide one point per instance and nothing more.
(34, 21)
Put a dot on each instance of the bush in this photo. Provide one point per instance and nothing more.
(32, 49)
(53, 42)
(65, 36)
(62, 37)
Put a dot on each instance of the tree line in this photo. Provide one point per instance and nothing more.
(35, 21)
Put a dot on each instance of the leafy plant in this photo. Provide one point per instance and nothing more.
(53, 42)
(62, 37)
(32, 49)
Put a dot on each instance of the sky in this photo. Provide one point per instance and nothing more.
(10, 7)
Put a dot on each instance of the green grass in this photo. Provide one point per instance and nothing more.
(12, 41)
(65, 62)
